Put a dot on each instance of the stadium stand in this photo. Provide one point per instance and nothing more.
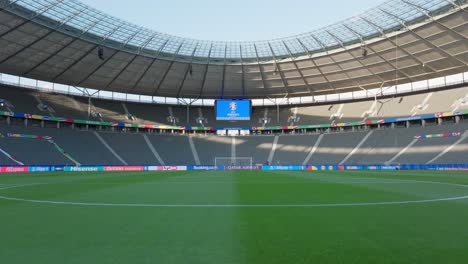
(427, 53)
(82, 145)
(7, 158)
(381, 145)
(24, 101)
(294, 148)
(257, 147)
(32, 152)
(146, 113)
(335, 147)
(173, 148)
(20, 100)
(457, 154)
(119, 122)
(379, 148)
(425, 150)
(127, 148)
(210, 147)
(64, 105)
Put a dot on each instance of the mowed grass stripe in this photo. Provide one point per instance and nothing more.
(145, 191)
(428, 233)
(112, 235)
(413, 188)
(412, 233)
(141, 189)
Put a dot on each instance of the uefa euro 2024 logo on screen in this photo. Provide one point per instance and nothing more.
(233, 106)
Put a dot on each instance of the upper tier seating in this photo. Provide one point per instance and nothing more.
(30, 101)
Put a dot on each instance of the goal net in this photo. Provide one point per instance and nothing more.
(233, 161)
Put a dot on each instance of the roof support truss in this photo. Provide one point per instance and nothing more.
(242, 71)
(37, 14)
(346, 49)
(61, 49)
(403, 23)
(278, 70)
(188, 71)
(394, 43)
(149, 66)
(297, 69)
(87, 52)
(260, 70)
(42, 37)
(158, 86)
(206, 71)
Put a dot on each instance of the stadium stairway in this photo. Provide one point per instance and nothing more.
(7, 159)
(424, 150)
(32, 152)
(456, 154)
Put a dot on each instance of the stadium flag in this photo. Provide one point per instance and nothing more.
(121, 124)
(424, 136)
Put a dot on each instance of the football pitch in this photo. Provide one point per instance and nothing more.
(227, 217)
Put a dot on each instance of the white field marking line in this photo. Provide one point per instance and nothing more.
(244, 205)
(9, 187)
(348, 177)
(233, 205)
(221, 182)
(22, 185)
(199, 177)
(327, 179)
(228, 179)
(15, 185)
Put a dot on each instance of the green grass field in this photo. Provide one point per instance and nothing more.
(234, 217)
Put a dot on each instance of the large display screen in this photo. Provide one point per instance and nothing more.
(233, 109)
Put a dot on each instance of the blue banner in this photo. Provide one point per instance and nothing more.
(233, 109)
(233, 128)
(40, 168)
(283, 167)
(204, 167)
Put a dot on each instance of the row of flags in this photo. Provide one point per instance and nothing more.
(14, 135)
(424, 136)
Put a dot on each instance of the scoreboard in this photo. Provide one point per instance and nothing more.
(233, 109)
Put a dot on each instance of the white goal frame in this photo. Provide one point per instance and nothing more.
(233, 161)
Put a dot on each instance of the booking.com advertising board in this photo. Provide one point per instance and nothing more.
(378, 167)
(233, 109)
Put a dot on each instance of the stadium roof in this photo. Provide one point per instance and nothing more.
(399, 41)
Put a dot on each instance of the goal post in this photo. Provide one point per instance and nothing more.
(233, 161)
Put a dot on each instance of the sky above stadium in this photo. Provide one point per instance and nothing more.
(239, 20)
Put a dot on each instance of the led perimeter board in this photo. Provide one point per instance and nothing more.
(233, 109)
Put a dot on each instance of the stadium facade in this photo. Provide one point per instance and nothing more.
(345, 88)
